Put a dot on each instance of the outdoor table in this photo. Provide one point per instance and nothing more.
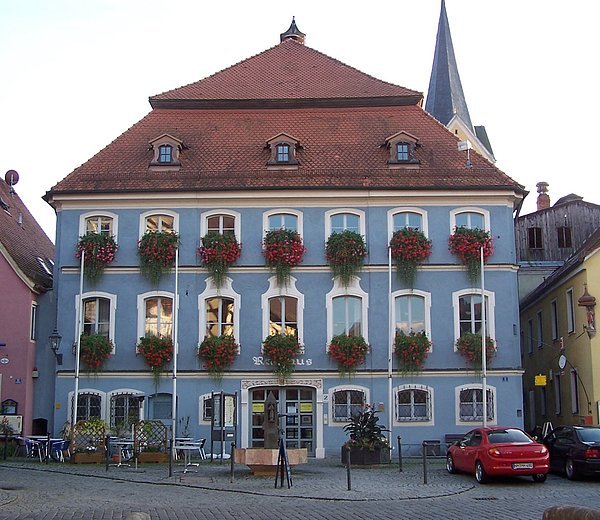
(121, 445)
(45, 441)
(187, 450)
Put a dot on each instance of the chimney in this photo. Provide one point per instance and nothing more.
(543, 200)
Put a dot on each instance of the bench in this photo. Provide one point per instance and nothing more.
(451, 438)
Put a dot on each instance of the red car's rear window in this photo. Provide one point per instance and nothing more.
(508, 435)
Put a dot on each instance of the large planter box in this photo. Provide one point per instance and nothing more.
(152, 456)
(263, 461)
(94, 457)
(360, 457)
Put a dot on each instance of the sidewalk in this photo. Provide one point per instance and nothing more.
(322, 479)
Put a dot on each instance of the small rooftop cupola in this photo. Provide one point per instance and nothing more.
(543, 200)
(293, 33)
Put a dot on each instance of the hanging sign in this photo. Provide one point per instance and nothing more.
(540, 380)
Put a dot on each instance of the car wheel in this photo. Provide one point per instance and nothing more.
(540, 477)
(570, 470)
(480, 474)
(450, 464)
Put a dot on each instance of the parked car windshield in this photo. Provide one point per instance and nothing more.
(589, 434)
(508, 435)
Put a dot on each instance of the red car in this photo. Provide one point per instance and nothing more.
(495, 451)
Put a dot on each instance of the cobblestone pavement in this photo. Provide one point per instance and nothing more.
(30, 490)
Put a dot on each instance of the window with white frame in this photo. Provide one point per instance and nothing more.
(219, 316)
(574, 392)
(347, 402)
(344, 219)
(540, 330)
(557, 395)
(33, 321)
(219, 310)
(412, 311)
(165, 153)
(99, 309)
(407, 219)
(156, 314)
(530, 336)
(570, 311)
(470, 218)
(162, 222)
(206, 406)
(89, 406)
(283, 221)
(99, 222)
(470, 403)
(554, 317)
(225, 222)
(468, 313)
(413, 404)
(124, 410)
(282, 309)
(347, 309)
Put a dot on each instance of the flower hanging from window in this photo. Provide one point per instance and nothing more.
(218, 353)
(469, 346)
(409, 246)
(100, 250)
(94, 351)
(411, 350)
(157, 352)
(156, 250)
(218, 253)
(345, 253)
(282, 350)
(349, 352)
(283, 249)
(466, 243)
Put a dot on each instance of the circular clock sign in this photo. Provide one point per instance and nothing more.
(562, 361)
(4, 361)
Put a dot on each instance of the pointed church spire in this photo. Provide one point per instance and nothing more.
(445, 97)
(293, 33)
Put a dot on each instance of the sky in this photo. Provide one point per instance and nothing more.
(76, 74)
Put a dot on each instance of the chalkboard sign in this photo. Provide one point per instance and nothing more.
(283, 465)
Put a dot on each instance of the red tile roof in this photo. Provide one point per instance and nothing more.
(24, 240)
(339, 115)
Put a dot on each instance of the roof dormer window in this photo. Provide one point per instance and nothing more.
(402, 149)
(283, 148)
(167, 150)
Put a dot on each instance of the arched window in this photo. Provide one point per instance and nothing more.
(89, 406)
(468, 315)
(347, 315)
(470, 403)
(100, 222)
(155, 314)
(219, 316)
(218, 310)
(124, 410)
(470, 218)
(414, 404)
(9, 407)
(346, 401)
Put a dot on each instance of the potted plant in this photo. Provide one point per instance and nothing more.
(218, 253)
(282, 350)
(469, 346)
(411, 350)
(349, 352)
(87, 441)
(150, 441)
(367, 443)
(157, 250)
(466, 243)
(100, 250)
(94, 350)
(218, 353)
(409, 247)
(345, 253)
(157, 352)
(283, 250)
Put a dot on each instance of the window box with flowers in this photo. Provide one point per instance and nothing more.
(345, 253)
(157, 351)
(349, 352)
(469, 346)
(466, 243)
(409, 247)
(100, 250)
(283, 249)
(218, 353)
(218, 253)
(94, 351)
(282, 350)
(411, 350)
(156, 250)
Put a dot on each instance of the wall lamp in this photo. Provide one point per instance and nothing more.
(54, 340)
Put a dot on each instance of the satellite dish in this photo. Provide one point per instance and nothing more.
(562, 361)
(11, 177)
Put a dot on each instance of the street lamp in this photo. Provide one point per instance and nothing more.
(54, 340)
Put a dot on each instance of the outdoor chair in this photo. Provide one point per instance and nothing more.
(34, 448)
(58, 450)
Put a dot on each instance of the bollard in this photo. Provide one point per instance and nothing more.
(399, 454)
(424, 463)
(5, 446)
(106, 451)
(231, 475)
(348, 476)
(171, 455)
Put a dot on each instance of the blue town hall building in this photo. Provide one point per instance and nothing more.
(316, 146)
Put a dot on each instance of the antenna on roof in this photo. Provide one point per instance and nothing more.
(11, 177)
(465, 146)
